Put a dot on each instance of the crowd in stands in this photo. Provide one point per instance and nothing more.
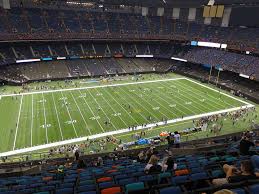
(218, 169)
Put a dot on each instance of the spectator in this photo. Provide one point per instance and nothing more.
(177, 139)
(60, 172)
(99, 161)
(141, 157)
(76, 155)
(81, 164)
(245, 144)
(234, 175)
(153, 166)
(170, 140)
(168, 163)
(224, 191)
(149, 153)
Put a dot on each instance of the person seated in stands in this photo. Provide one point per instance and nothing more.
(224, 191)
(141, 157)
(153, 166)
(81, 164)
(233, 174)
(245, 144)
(60, 172)
(168, 163)
(150, 152)
(170, 140)
(99, 161)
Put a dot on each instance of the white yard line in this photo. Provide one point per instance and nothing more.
(89, 87)
(32, 117)
(102, 109)
(209, 99)
(219, 91)
(17, 123)
(114, 111)
(121, 107)
(86, 125)
(57, 116)
(69, 115)
(188, 99)
(128, 112)
(161, 105)
(92, 112)
(173, 102)
(45, 119)
(154, 116)
(45, 146)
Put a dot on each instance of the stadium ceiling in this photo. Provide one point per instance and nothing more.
(169, 3)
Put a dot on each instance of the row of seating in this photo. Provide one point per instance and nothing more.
(125, 175)
(24, 23)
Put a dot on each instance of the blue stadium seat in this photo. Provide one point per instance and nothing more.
(199, 176)
(88, 192)
(126, 181)
(239, 191)
(65, 191)
(171, 190)
(121, 176)
(86, 188)
(196, 170)
(217, 173)
(106, 185)
(254, 189)
(67, 185)
(180, 179)
(146, 178)
(134, 187)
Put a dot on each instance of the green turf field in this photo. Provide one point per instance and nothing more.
(39, 118)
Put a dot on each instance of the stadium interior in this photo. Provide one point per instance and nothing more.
(129, 96)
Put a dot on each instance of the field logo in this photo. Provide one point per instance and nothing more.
(46, 126)
(117, 114)
(70, 122)
(95, 118)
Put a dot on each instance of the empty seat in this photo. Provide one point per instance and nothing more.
(171, 190)
(126, 181)
(106, 185)
(134, 187)
(180, 179)
(112, 190)
(64, 191)
(198, 176)
(86, 188)
(239, 191)
(254, 189)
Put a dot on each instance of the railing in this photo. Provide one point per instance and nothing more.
(72, 36)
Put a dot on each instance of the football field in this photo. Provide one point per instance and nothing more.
(57, 117)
